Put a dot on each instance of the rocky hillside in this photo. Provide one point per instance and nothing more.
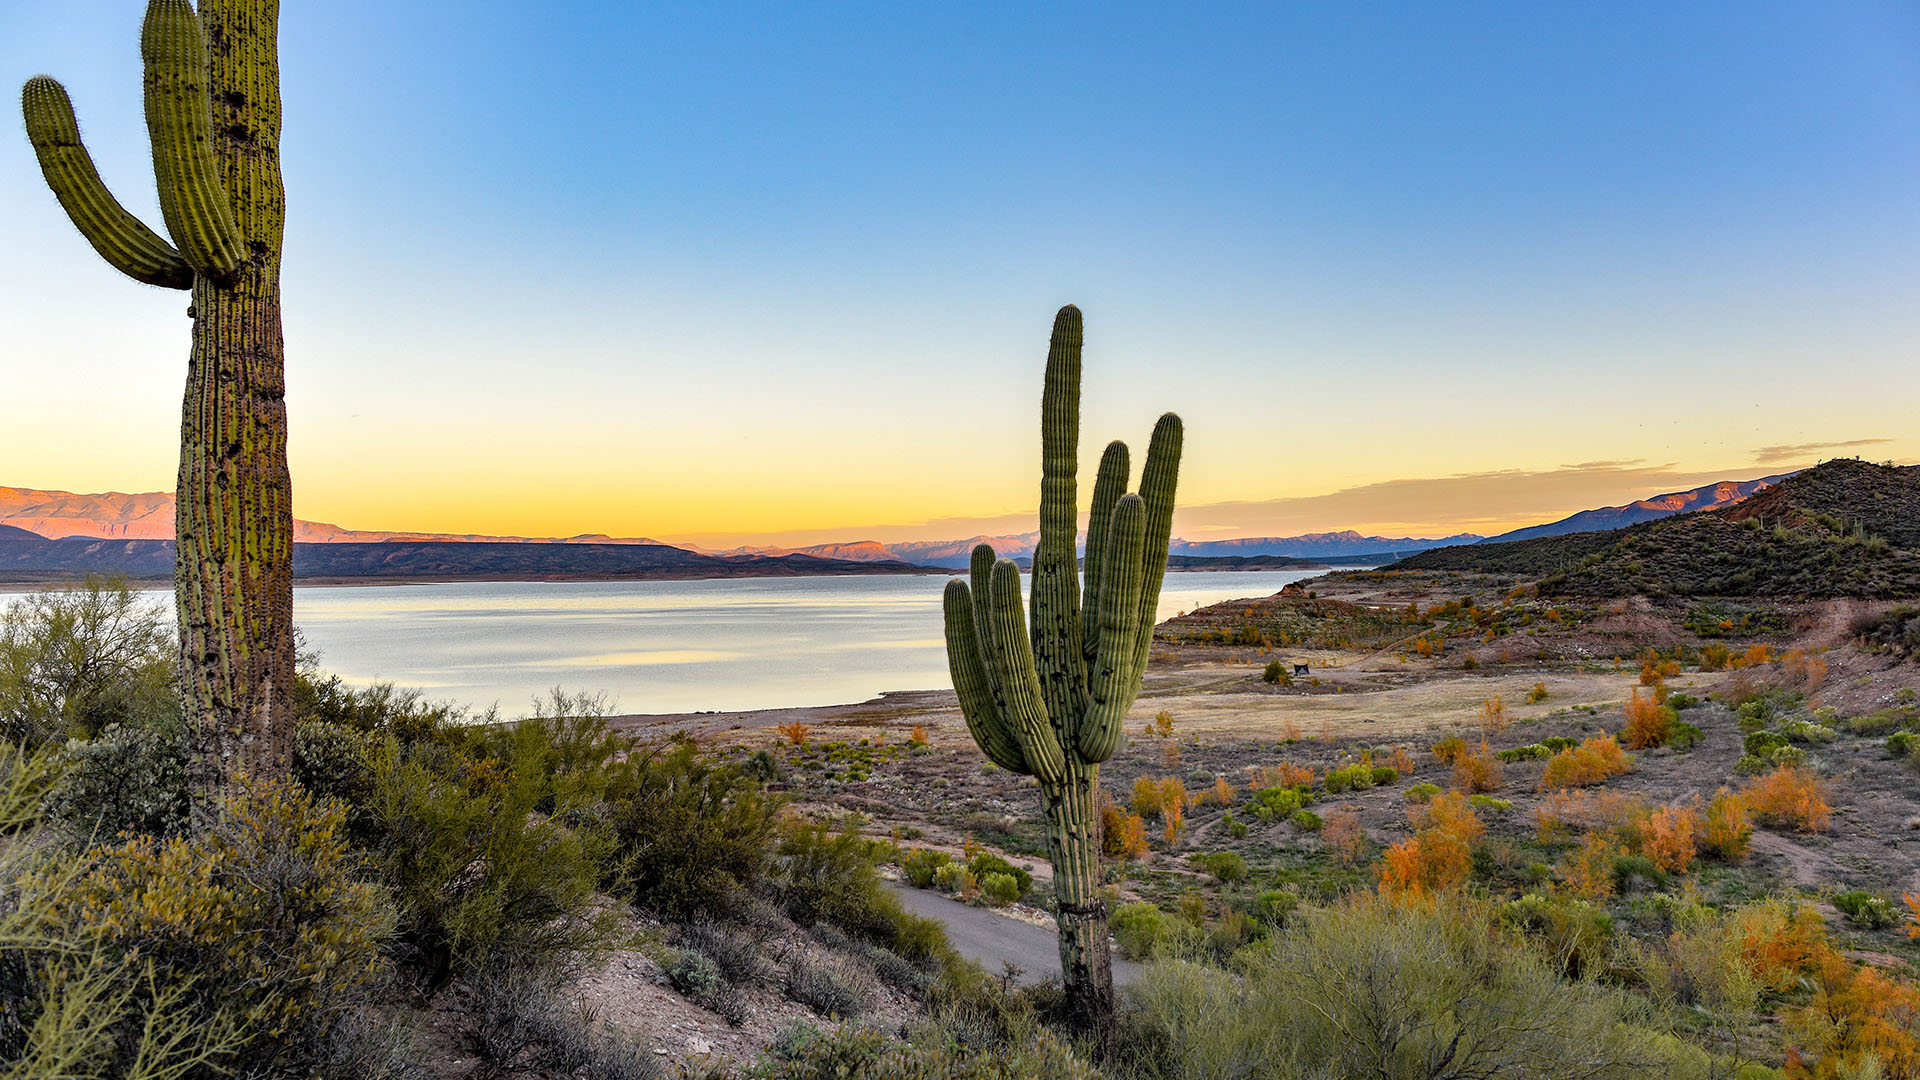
(1844, 528)
(1707, 497)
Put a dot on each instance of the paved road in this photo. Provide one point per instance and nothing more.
(996, 940)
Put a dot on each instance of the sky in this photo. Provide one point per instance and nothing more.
(785, 273)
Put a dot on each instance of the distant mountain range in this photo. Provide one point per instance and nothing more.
(1710, 497)
(133, 533)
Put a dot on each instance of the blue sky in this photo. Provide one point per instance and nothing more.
(721, 271)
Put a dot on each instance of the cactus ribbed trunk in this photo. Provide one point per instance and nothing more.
(1073, 846)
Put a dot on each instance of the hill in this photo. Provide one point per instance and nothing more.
(25, 556)
(1707, 497)
(1844, 528)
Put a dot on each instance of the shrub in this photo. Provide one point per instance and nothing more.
(520, 1022)
(1018, 1047)
(1420, 793)
(1307, 820)
(1715, 657)
(795, 732)
(1558, 743)
(1865, 909)
(1530, 752)
(1285, 774)
(1122, 835)
(1385, 776)
(1787, 755)
(1342, 834)
(1649, 724)
(698, 978)
(1575, 934)
(986, 862)
(691, 831)
(1352, 777)
(1000, 889)
(1789, 797)
(261, 918)
(75, 660)
(1486, 1005)
(127, 780)
(1727, 831)
(1276, 673)
(1277, 802)
(1901, 743)
(1449, 748)
(734, 948)
(1226, 867)
(921, 866)
(1477, 770)
(1684, 736)
(954, 879)
(1141, 930)
(1669, 838)
(1236, 828)
(1273, 906)
(1592, 762)
(335, 761)
(1764, 743)
(1803, 731)
(1538, 694)
(1587, 871)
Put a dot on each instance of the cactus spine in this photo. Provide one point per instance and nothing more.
(212, 91)
(1049, 700)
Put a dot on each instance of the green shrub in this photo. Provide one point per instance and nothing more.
(820, 876)
(691, 832)
(921, 866)
(1236, 828)
(1353, 777)
(1901, 743)
(1577, 935)
(1789, 755)
(261, 918)
(1752, 764)
(1764, 743)
(1000, 889)
(1422, 793)
(475, 869)
(336, 761)
(954, 878)
(1385, 776)
(1683, 736)
(1277, 802)
(76, 660)
(1557, 743)
(127, 780)
(1531, 752)
(1631, 870)
(1141, 930)
(1866, 910)
(1274, 906)
(1331, 995)
(698, 978)
(734, 947)
(1276, 673)
(1680, 701)
(1488, 802)
(1226, 867)
(851, 1052)
(1307, 820)
(832, 984)
(988, 863)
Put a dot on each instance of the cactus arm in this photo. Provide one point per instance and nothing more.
(1157, 483)
(981, 574)
(1057, 635)
(977, 705)
(1010, 657)
(193, 200)
(1108, 485)
(120, 238)
(1116, 678)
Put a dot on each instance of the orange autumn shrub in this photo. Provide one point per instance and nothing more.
(1778, 942)
(1649, 723)
(795, 731)
(1756, 654)
(1860, 1022)
(1594, 761)
(1803, 669)
(1439, 858)
(1790, 797)
(918, 736)
(1285, 774)
(1582, 810)
(1122, 835)
(1669, 838)
(1343, 835)
(1400, 876)
(1727, 828)
(1400, 760)
(1146, 796)
(1587, 871)
(1493, 714)
(1450, 813)
(1449, 749)
(1478, 771)
(1220, 794)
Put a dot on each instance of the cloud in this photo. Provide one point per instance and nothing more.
(1483, 502)
(1803, 452)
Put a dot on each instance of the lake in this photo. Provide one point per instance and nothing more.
(666, 646)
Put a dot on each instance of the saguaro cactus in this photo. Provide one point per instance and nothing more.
(213, 114)
(1048, 701)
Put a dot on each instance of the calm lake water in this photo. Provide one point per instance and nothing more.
(666, 646)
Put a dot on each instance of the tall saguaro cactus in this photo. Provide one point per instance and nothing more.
(213, 114)
(1048, 700)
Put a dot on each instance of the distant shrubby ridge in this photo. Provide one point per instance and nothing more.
(1846, 528)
